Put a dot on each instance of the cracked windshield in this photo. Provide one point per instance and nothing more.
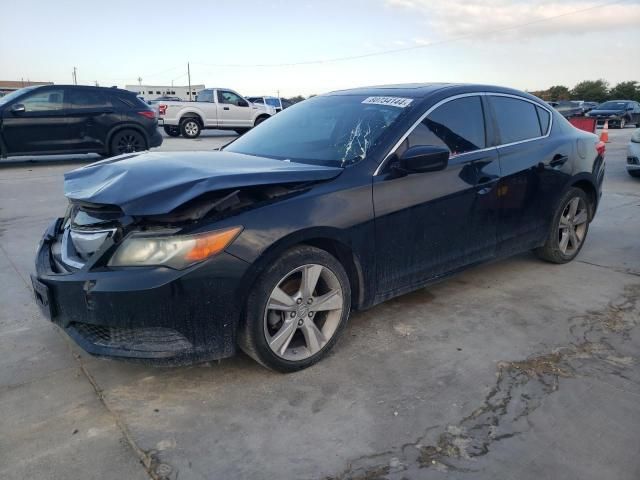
(337, 130)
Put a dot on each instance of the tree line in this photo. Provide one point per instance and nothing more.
(592, 90)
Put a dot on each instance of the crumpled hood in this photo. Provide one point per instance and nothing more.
(155, 183)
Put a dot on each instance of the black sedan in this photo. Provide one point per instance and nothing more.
(336, 204)
(617, 112)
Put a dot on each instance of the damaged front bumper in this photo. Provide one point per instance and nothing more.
(152, 314)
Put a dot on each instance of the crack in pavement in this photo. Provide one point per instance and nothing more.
(520, 388)
(148, 459)
(626, 271)
(155, 469)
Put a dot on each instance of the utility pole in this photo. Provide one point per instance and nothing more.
(75, 76)
(189, 75)
(96, 82)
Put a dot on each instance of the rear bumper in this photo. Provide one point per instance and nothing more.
(155, 140)
(602, 120)
(155, 315)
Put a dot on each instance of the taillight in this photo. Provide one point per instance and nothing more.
(150, 114)
(162, 109)
(600, 148)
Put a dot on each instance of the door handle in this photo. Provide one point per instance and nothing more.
(483, 190)
(558, 160)
(225, 108)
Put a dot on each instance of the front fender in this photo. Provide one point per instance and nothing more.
(334, 241)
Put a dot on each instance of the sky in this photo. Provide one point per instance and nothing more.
(251, 46)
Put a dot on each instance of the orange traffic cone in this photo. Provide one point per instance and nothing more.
(604, 136)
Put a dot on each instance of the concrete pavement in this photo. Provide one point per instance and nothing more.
(516, 369)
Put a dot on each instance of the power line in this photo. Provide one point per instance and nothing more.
(413, 47)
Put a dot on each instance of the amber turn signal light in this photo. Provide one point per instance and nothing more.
(212, 243)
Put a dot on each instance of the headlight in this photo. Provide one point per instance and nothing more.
(175, 251)
(635, 138)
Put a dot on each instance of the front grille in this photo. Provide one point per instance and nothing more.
(141, 340)
(633, 161)
(78, 246)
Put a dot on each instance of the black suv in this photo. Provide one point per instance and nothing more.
(55, 119)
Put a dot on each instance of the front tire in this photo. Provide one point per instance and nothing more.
(634, 173)
(296, 310)
(569, 228)
(190, 128)
(259, 120)
(127, 141)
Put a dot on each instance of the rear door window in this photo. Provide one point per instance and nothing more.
(457, 125)
(86, 99)
(517, 119)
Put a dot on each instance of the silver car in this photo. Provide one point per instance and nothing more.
(633, 154)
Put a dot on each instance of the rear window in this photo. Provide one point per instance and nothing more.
(205, 96)
(612, 106)
(517, 119)
(128, 101)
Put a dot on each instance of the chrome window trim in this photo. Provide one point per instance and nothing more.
(463, 95)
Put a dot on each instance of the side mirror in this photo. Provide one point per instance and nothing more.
(18, 108)
(242, 103)
(424, 158)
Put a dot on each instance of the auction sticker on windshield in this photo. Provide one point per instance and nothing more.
(393, 101)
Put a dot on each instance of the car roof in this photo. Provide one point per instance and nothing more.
(91, 87)
(424, 90)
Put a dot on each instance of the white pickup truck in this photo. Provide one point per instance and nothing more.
(219, 108)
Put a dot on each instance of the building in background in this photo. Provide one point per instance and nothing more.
(151, 92)
(8, 86)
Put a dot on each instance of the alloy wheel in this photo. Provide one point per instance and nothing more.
(573, 226)
(191, 128)
(130, 143)
(303, 312)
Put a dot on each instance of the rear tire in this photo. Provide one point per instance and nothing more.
(127, 141)
(569, 228)
(634, 173)
(190, 127)
(281, 328)
(172, 130)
